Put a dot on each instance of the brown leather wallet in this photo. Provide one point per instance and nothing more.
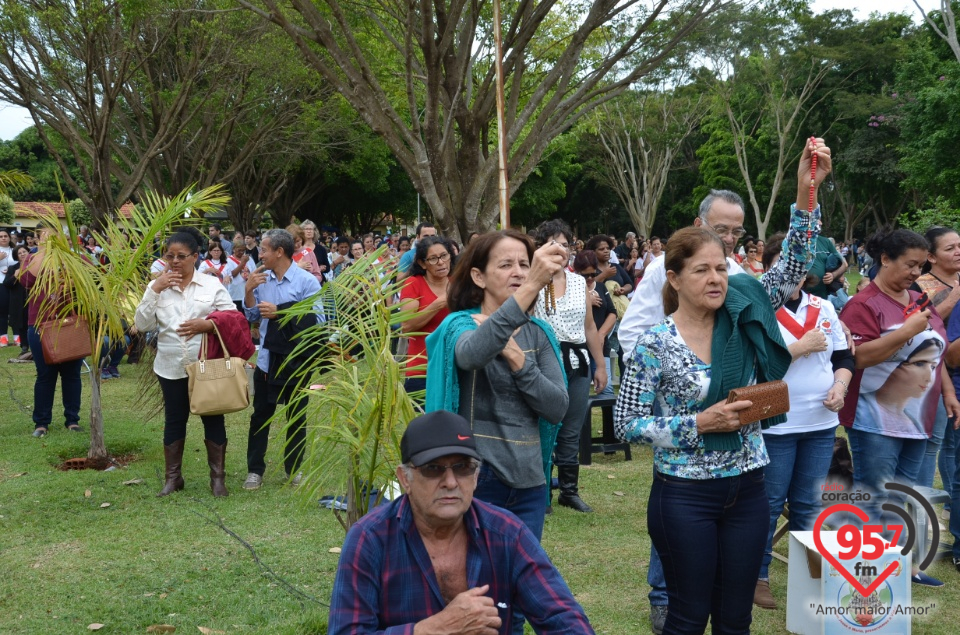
(769, 399)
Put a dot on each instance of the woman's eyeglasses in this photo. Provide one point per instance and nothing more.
(589, 274)
(435, 260)
(177, 257)
(435, 470)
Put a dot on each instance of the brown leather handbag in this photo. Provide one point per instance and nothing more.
(65, 339)
(217, 386)
(771, 398)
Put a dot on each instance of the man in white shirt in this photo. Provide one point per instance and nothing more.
(721, 210)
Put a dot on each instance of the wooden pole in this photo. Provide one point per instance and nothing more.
(501, 125)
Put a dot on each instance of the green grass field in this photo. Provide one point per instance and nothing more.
(68, 560)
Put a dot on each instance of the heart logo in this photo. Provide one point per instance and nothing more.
(852, 579)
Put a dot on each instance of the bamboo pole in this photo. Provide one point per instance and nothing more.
(501, 125)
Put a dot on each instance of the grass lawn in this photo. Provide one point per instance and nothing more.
(68, 561)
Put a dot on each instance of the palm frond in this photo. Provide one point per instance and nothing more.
(107, 295)
(12, 181)
(354, 425)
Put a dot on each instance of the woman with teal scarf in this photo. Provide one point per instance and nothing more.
(500, 369)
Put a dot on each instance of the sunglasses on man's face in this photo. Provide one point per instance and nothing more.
(460, 470)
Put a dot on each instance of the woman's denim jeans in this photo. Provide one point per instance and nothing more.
(798, 467)
(45, 387)
(878, 460)
(528, 504)
(710, 536)
(938, 444)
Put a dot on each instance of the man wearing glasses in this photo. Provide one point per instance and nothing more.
(722, 211)
(436, 560)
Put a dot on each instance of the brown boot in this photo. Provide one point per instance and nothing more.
(762, 596)
(215, 459)
(173, 457)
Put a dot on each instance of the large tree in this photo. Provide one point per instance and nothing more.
(71, 64)
(641, 134)
(421, 75)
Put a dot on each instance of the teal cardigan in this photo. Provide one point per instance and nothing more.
(746, 342)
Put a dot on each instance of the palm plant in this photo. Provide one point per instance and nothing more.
(13, 181)
(107, 296)
(355, 423)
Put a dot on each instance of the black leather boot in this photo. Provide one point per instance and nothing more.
(569, 488)
(173, 458)
(216, 456)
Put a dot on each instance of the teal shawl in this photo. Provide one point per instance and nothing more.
(746, 339)
(443, 383)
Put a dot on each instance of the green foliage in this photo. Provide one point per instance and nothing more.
(79, 212)
(13, 181)
(930, 124)
(536, 199)
(7, 215)
(355, 424)
(27, 153)
(942, 212)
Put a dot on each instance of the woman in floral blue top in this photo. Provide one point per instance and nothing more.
(708, 509)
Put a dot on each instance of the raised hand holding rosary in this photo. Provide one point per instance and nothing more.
(813, 181)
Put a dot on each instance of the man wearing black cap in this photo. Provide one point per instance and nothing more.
(439, 561)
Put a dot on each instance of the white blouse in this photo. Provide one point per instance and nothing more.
(172, 307)
(568, 321)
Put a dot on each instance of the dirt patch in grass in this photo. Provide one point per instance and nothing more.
(83, 463)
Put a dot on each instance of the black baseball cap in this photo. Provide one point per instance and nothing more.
(437, 434)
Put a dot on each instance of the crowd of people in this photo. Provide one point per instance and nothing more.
(507, 337)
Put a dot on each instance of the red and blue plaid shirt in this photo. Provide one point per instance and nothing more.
(386, 584)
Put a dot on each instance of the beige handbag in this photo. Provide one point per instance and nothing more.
(217, 386)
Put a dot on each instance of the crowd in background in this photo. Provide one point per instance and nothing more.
(676, 321)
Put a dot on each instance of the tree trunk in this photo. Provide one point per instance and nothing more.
(98, 451)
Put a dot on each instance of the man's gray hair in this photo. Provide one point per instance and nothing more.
(631, 235)
(280, 239)
(724, 195)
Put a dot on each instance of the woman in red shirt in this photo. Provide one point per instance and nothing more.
(425, 292)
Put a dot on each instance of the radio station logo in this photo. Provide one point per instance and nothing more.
(867, 557)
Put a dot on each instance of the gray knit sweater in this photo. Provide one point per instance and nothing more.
(504, 407)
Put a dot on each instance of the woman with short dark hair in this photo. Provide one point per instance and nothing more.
(566, 310)
(177, 304)
(40, 308)
(900, 338)
(425, 293)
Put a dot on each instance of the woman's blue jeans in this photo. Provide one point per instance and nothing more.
(45, 387)
(798, 467)
(710, 536)
(938, 444)
(878, 460)
(528, 504)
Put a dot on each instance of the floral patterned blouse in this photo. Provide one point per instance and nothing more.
(660, 396)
